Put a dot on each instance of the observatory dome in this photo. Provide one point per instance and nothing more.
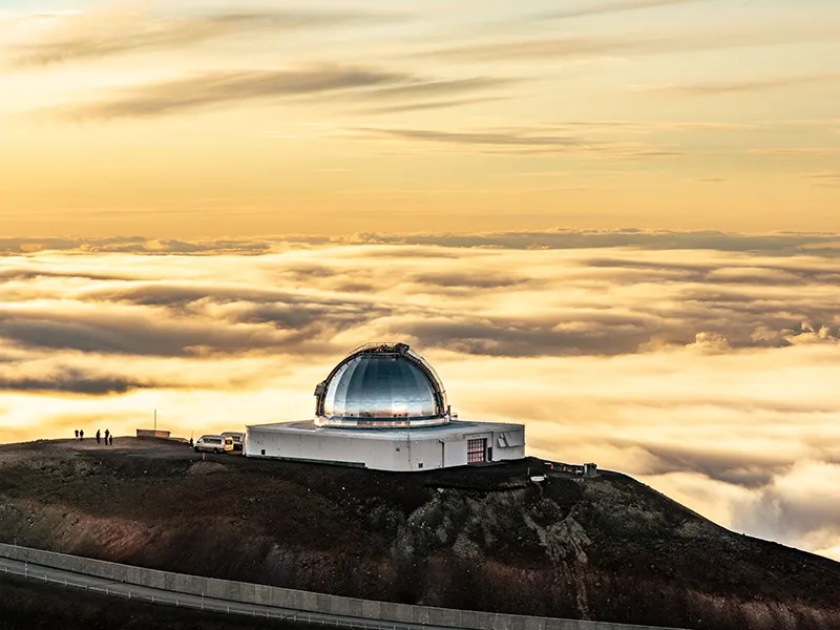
(381, 386)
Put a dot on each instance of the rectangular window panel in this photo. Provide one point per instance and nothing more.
(476, 450)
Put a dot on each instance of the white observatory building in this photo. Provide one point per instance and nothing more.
(384, 407)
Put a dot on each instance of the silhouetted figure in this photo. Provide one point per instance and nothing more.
(77, 434)
(107, 436)
(98, 437)
(111, 439)
(81, 434)
(191, 443)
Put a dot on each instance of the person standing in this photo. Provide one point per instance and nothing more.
(107, 435)
(111, 439)
(98, 437)
(77, 434)
(81, 434)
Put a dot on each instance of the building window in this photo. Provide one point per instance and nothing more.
(263, 451)
(420, 465)
(476, 450)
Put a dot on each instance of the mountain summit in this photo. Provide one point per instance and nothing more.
(481, 538)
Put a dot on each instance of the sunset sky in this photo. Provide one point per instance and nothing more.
(616, 221)
(206, 118)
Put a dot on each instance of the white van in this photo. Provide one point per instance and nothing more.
(214, 444)
(238, 439)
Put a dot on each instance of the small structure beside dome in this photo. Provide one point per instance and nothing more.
(384, 407)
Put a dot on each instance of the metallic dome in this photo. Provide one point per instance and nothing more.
(380, 386)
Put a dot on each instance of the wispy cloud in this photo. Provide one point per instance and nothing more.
(486, 138)
(522, 141)
(738, 87)
(434, 88)
(424, 105)
(630, 45)
(616, 6)
(225, 87)
(795, 151)
(417, 95)
(343, 83)
(644, 126)
(105, 33)
(826, 178)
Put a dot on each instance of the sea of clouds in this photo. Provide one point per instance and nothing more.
(704, 364)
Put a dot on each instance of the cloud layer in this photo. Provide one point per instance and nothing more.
(706, 372)
(445, 244)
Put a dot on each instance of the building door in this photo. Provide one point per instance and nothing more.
(476, 451)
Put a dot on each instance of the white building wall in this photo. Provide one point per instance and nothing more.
(455, 452)
(509, 447)
(398, 454)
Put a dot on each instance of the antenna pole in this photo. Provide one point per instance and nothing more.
(155, 419)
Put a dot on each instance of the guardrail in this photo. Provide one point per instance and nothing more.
(301, 606)
(131, 594)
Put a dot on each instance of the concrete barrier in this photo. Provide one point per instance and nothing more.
(395, 612)
(371, 610)
(338, 605)
(471, 619)
(262, 595)
(306, 601)
(216, 588)
(534, 623)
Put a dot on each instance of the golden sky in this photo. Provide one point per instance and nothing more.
(183, 118)
(617, 221)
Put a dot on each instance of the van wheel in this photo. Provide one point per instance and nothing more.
(196, 449)
(216, 451)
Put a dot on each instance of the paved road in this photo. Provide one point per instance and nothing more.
(157, 596)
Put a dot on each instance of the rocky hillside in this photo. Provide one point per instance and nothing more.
(480, 538)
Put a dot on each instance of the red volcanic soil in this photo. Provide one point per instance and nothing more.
(484, 538)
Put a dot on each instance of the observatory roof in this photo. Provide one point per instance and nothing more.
(456, 429)
(380, 386)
